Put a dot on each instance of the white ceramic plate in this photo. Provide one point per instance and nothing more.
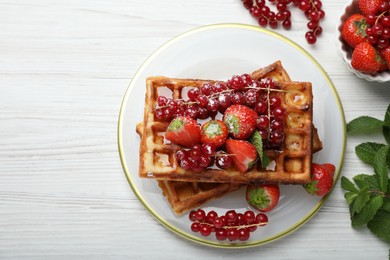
(218, 52)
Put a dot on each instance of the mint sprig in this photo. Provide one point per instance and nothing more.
(368, 195)
(257, 141)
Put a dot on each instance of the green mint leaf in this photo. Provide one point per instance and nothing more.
(364, 124)
(381, 168)
(363, 196)
(367, 151)
(350, 197)
(365, 180)
(386, 205)
(386, 129)
(257, 141)
(380, 225)
(368, 211)
(346, 184)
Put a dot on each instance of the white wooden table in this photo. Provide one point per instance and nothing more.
(64, 68)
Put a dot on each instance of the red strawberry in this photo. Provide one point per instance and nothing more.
(214, 132)
(263, 197)
(354, 30)
(385, 54)
(240, 120)
(244, 153)
(183, 131)
(365, 58)
(369, 6)
(321, 180)
(330, 167)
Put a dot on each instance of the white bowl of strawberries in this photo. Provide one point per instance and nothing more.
(364, 39)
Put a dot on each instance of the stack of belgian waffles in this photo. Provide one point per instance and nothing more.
(186, 189)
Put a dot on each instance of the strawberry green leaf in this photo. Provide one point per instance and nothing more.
(257, 141)
(361, 26)
(311, 187)
(258, 198)
(386, 129)
(366, 151)
(381, 168)
(365, 124)
(368, 211)
(380, 225)
(346, 184)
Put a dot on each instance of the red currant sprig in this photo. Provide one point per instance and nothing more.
(210, 99)
(313, 11)
(231, 226)
(265, 16)
(282, 15)
(378, 29)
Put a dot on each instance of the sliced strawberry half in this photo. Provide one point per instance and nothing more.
(244, 154)
(240, 120)
(214, 132)
(183, 131)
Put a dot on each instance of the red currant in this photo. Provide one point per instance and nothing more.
(262, 122)
(249, 217)
(162, 101)
(193, 94)
(195, 227)
(243, 234)
(221, 234)
(224, 161)
(205, 230)
(232, 234)
(207, 89)
(231, 216)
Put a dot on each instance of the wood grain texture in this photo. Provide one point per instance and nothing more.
(64, 68)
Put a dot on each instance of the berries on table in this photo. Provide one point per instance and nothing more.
(280, 14)
(230, 226)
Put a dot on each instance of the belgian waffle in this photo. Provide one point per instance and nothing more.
(290, 166)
